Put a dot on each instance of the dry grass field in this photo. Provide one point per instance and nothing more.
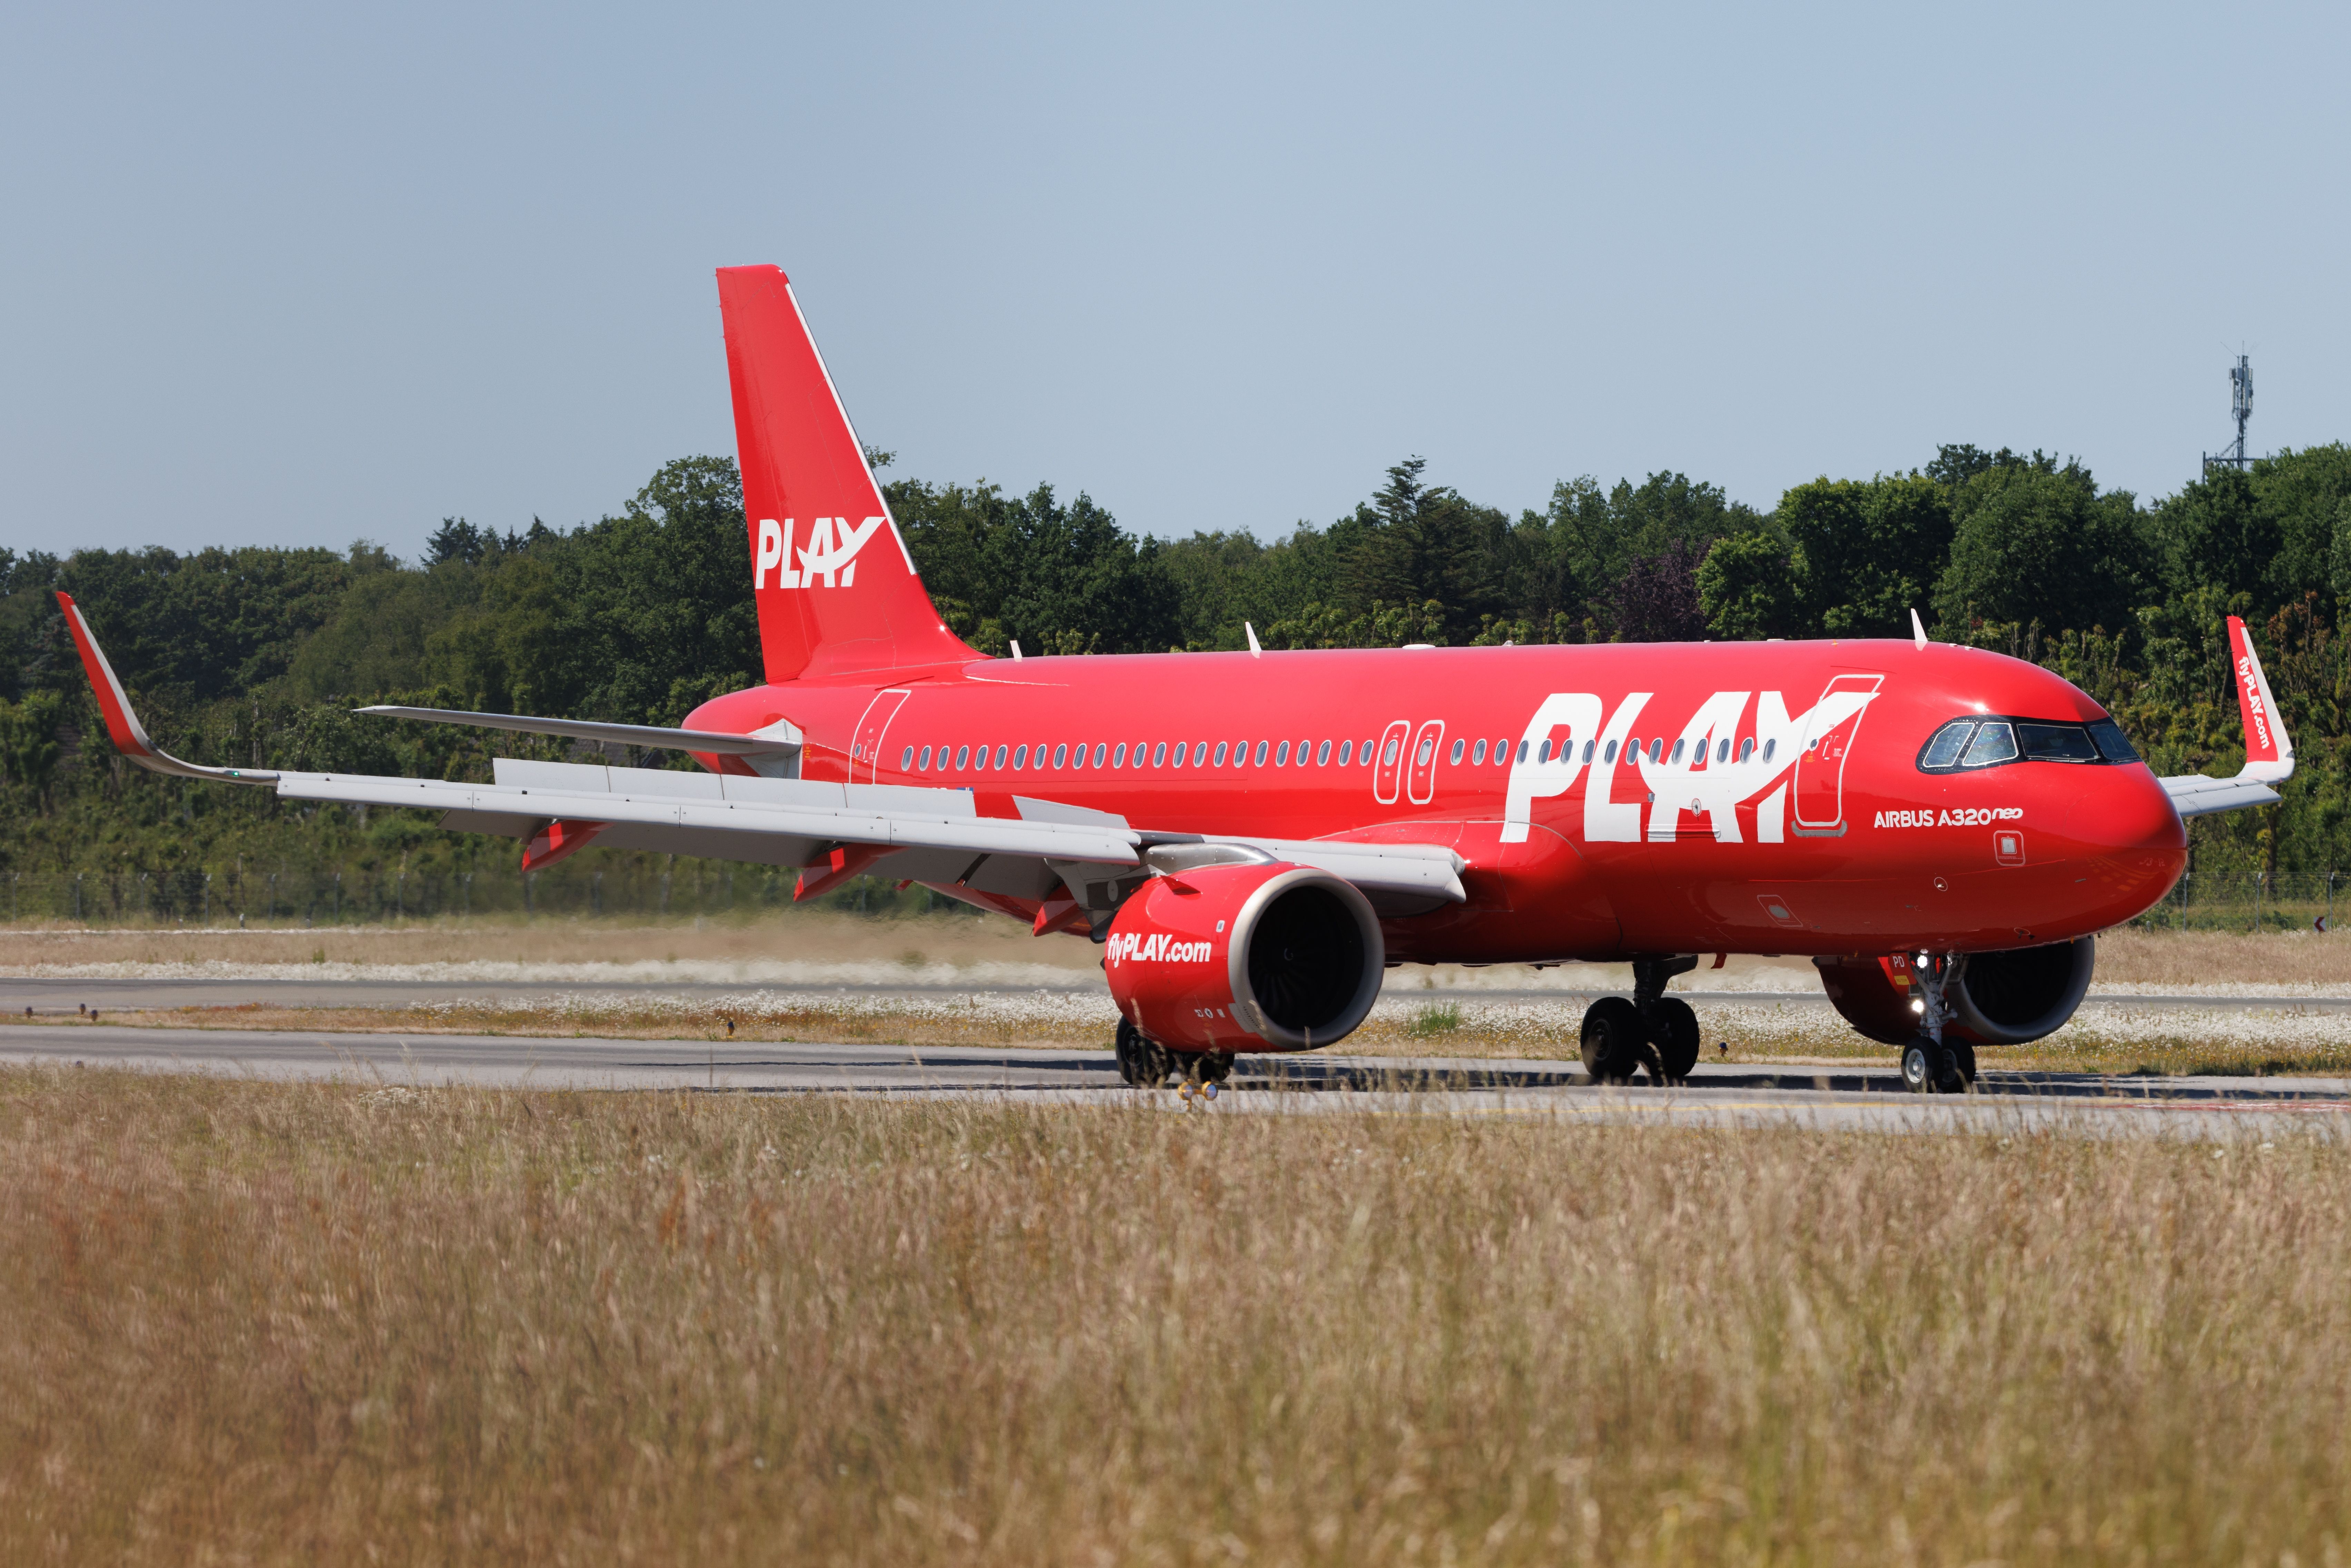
(254, 1324)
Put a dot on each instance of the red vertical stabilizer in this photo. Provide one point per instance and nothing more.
(836, 589)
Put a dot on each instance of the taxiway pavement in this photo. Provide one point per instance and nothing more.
(1860, 1099)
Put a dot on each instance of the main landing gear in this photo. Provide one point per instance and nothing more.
(1651, 1032)
(1931, 1063)
(1147, 1065)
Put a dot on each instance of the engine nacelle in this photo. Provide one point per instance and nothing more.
(1245, 958)
(2008, 998)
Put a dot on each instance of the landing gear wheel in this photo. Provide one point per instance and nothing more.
(1918, 1073)
(1215, 1066)
(1615, 1043)
(1945, 1068)
(1141, 1061)
(1677, 1038)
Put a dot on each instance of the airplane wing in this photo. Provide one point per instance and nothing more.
(2268, 750)
(1053, 859)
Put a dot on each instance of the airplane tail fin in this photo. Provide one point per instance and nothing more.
(2268, 750)
(835, 586)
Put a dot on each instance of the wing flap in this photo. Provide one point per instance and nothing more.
(899, 829)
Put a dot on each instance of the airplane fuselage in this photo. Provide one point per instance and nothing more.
(1609, 800)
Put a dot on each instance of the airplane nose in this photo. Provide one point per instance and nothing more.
(2124, 824)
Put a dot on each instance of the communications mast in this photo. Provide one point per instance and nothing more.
(2241, 406)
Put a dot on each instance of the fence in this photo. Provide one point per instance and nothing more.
(622, 888)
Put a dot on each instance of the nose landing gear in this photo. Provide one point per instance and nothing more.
(1931, 1063)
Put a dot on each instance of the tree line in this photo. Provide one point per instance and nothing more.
(256, 655)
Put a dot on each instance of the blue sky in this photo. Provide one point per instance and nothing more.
(303, 275)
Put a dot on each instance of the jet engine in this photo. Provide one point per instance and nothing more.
(1245, 958)
(1996, 999)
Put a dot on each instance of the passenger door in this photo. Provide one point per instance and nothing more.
(873, 730)
(1820, 767)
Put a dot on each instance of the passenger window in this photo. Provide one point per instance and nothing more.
(1199, 754)
(1388, 755)
(1322, 755)
(1257, 758)
(1223, 748)
(1995, 742)
(1679, 747)
(1945, 747)
(2113, 745)
(1019, 758)
(963, 757)
(1099, 750)
(1745, 748)
(1542, 752)
(1347, 752)
(1457, 744)
(1281, 755)
(999, 756)
(1118, 756)
(1612, 751)
(1769, 747)
(1656, 748)
(1610, 756)
(2055, 742)
(925, 764)
(1478, 758)
(1062, 755)
(906, 761)
(1304, 748)
(1159, 755)
(1722, 750)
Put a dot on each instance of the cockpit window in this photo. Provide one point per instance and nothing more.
(2056, 742)
(1991, 741)
(2111, 744)
(1943, 750)
(1995, 742)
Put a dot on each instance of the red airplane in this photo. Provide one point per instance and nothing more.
(1252, 837)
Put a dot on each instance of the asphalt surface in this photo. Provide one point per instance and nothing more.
(1856, 1100)
(65, 995)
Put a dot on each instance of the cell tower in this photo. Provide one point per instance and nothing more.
(2241, 406)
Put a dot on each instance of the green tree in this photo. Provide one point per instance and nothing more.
(1747, 589)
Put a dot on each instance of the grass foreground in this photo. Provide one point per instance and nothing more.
(257, 1322)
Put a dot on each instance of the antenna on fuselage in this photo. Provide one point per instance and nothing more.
(1255, 652)
(2241, 408)
(1917, 630)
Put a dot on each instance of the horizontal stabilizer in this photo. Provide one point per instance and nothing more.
(645, 734)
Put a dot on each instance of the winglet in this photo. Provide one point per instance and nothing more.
(2268, 750)
(1917, 630)
(122, 725)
